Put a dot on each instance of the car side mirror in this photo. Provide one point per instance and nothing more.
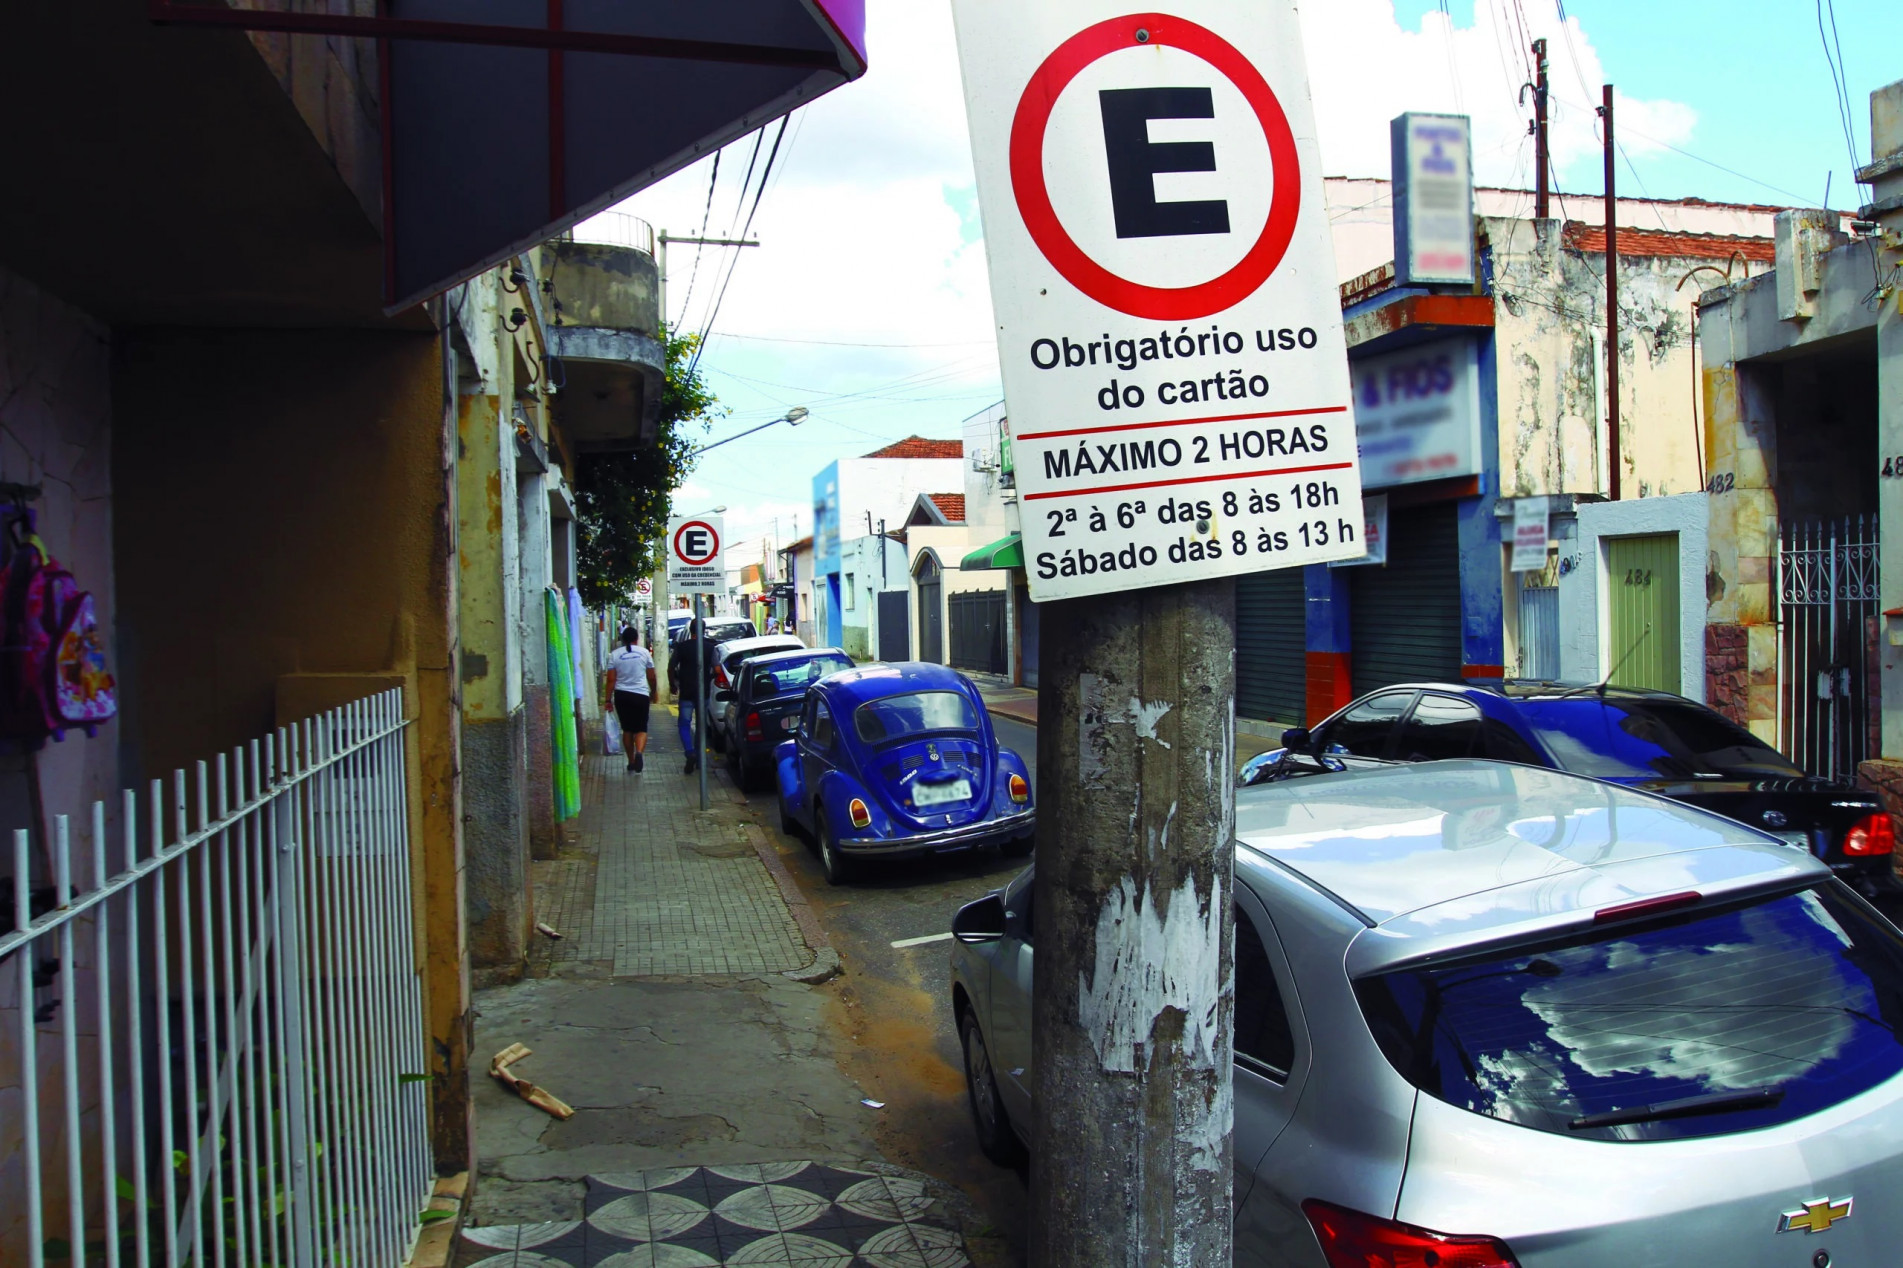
(982, 921)
(1297, 739)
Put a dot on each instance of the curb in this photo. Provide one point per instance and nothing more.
(825, 965)
(1024, 711)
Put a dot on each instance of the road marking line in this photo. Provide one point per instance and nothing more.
(902, 943)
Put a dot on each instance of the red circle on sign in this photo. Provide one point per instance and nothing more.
(712, 536)
(1159, 303)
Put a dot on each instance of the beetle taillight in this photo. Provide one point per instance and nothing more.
(1020, 791)
(856, 810)
(1350, 1239)
(1874, 834)
(753, 727)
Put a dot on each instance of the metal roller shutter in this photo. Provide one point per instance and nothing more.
(1271, 646)
(1404, 619)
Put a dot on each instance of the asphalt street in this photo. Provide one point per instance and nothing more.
(894, 1006)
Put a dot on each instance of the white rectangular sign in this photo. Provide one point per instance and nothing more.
(1169, 324)
(1418, 413)
(1529, 534)
(696, 555)
(1374, 516)
(1432, 157)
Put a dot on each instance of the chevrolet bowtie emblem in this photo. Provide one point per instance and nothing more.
(1814, 1216)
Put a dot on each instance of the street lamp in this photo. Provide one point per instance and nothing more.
(794, 417)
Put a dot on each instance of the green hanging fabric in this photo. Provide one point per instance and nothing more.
(561, 692)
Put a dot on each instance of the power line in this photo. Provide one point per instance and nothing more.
(849, 343)
(758, 194)
(698, 247)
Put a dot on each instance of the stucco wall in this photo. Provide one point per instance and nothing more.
(1586, 653)
(1550, 325)
(55, 431)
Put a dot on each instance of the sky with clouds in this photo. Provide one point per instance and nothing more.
(867, 303)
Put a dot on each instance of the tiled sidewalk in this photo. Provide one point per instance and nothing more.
(662, 889)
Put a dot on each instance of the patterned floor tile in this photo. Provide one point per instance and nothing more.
(798, 1214)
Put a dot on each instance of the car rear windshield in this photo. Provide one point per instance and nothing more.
(1718, 1023)
(783, 677)
(896, 717)
(1673, 739)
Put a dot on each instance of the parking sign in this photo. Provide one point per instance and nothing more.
(696, 562)
(1169, 324)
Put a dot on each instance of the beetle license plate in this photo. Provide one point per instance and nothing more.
(939, 794)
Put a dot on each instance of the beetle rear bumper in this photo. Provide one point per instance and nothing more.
(964, 837)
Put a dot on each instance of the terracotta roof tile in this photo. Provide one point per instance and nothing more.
(1657, 244)
(920, 447)
(950, 505)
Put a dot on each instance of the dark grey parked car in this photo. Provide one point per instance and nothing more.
(763, 706)
(1505, 1017)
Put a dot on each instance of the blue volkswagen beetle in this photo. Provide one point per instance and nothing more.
(898, 760)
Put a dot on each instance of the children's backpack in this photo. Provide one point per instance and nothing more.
(52, 657)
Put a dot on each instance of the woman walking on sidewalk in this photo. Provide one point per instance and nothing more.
(631, 684)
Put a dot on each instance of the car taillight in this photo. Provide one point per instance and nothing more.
(753, 727)
(720, 676)
(1020, 791)
(1351, 1239)
(857, 812)
(1875, 834)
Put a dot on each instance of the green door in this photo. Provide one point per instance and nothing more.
(1642, 576)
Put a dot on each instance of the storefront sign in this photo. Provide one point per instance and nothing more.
(1417, 413)
(1374, 514)
(1163, 278)
(1433, 198)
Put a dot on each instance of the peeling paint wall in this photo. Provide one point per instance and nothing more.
(1550, 324)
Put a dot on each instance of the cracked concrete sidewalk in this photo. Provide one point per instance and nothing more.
(676, 1015)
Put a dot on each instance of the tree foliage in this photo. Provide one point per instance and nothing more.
(622, 499)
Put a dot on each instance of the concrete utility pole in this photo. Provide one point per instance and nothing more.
(1612, 304)
(1134, 988)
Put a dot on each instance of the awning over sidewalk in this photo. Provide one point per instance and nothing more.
(1006, 552)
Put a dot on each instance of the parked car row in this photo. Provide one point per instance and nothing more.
(1531, 979)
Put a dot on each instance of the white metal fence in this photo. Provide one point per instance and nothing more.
(219, 1040)
(1827, 592)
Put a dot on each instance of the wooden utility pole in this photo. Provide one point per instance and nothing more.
(1612, 304)
(1132, 992)
(1542, 156)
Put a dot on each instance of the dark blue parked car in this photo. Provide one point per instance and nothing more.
(1650, 740)
(894, 761)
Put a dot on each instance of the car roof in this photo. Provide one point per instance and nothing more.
(873, 682)
(732, 645)
(792, 654)
(1537, 691)
(1464, 850)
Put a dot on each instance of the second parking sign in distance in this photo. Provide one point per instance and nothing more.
(1169, 323)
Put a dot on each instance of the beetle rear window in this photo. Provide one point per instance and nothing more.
(896, 717)
(1697, 1026)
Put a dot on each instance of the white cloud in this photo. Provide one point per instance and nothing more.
(1366, 67)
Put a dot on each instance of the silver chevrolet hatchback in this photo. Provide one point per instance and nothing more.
(1491, 1015)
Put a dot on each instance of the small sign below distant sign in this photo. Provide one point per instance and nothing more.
(1530, 531)
(695, 563)
(1169, 324)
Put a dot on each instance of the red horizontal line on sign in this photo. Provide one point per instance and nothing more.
(1184, 422)
(1157, 484)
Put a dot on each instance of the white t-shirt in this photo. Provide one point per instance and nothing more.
(631, 665)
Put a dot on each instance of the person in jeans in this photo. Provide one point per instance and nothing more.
(682, 664)
(631, 685)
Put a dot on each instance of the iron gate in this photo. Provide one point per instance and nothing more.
(977, 632)
(215, 1017)
(1827, 676)
(895, 630)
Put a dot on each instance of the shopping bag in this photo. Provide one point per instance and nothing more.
(611, 734)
